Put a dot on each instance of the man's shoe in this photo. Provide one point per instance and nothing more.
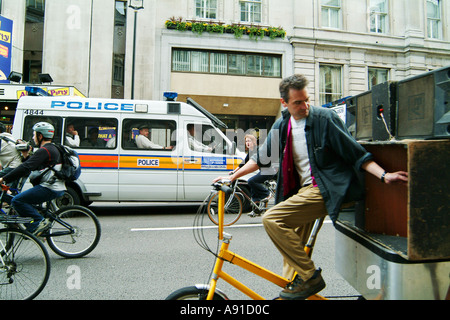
(300, 290)
(43, 226)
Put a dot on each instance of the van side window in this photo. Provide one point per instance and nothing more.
(204, 138)
(90, 133)
(148, 134)
(195, 134)
(30, 121)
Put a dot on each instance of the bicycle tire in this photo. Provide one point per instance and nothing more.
(192, 293)
(83, 240)
(233, 209)
(25, 269)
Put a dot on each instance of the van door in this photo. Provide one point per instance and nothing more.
(204, 158)
(95, 143)
(148, 162)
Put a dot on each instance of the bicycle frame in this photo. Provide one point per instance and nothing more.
(227, 255)
(46, 211)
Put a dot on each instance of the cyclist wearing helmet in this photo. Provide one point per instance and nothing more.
(45, 186)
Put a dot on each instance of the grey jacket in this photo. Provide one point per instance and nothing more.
(334, 155)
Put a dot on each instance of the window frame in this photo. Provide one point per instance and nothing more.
(377, 70)
(383, 27)
(31, 120)
(324, 94)
(328, 9)
(206, 7)
(250, 6)
(438, 20)
(242, 57)
(132, 125)
(83, 125)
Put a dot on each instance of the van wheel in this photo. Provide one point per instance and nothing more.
(69, 198)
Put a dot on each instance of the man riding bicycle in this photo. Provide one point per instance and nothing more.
(317, 157)
(46, 186)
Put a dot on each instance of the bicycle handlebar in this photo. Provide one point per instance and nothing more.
(223, 185)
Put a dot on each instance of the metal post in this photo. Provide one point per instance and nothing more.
(136, 5)
(134, 55)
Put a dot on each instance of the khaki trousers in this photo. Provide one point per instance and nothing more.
(289, 225)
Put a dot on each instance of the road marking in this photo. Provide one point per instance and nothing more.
(192, 228)
(204, 227)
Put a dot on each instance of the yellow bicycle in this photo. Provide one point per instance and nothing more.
(209, 291)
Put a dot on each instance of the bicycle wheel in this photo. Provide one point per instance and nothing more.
(233, 209)
(192, 293)
(75, 233)
(24, 265)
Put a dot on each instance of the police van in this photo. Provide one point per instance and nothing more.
(134, 150)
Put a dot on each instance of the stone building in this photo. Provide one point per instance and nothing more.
(106, 48)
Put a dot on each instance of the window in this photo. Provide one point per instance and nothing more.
(218, 63)
(251, 11)
(206, 9)
(377, 75)
(197, 135)
(157, 134)
(378, 16)
(30, 121)
(330, 83)
(199, 61)
(331, 14)
(272, 67)
(226, 63)
(33, 40)
(254, 65)
(93, 133)
(205, 138)
(36, 4)
(181, 60)
(434, 25)
(236, 64)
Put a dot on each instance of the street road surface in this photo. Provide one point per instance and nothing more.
(148, 251)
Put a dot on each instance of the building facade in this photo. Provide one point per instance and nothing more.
(106, 48)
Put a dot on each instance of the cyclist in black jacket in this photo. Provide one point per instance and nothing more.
(46, 186)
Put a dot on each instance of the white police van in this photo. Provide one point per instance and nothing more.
(178, 167)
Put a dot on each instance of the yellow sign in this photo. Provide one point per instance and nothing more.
(53, 92)
(59, 92)
(5, 36)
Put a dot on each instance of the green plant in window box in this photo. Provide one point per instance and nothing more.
(273, 33)
(255, 32)
(237, 29)
(199, 27)
(215, 28)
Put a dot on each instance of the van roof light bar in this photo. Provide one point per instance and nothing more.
(170, 95)
(36, 91)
